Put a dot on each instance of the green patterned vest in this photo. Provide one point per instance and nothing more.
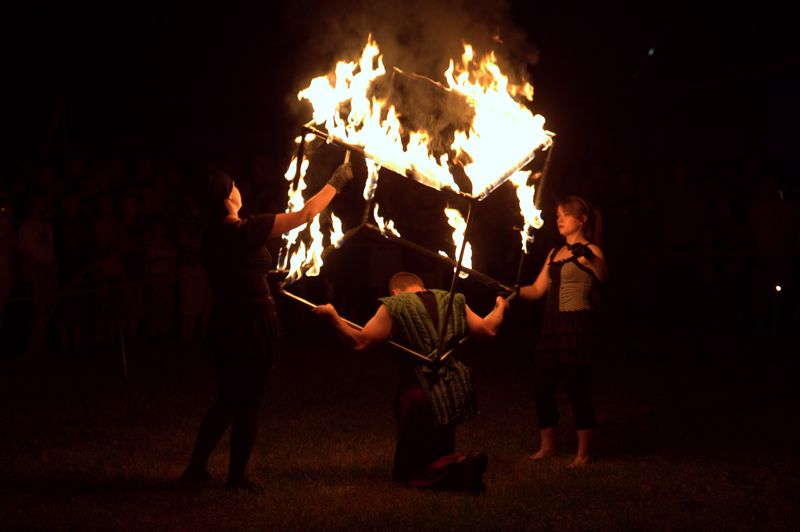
(413, 325)
(448, 387)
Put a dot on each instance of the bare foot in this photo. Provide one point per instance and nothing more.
(542, 453)
(580, 461)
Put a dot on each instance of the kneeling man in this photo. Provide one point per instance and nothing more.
(431, 401)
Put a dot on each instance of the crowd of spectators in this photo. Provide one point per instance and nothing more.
(94, 249)
(91, 250)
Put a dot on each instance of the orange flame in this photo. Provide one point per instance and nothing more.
(385, 227)
(532, 216)
(503, 136)
(373, 169)
(504, 133)
(459, 225)
(305, 258)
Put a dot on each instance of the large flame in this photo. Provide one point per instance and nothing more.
(503, 136)
(504, 133)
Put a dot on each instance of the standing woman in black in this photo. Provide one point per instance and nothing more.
(569, 334)
(242, 330)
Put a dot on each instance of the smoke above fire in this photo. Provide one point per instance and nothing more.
(417, 36)
(463, 129)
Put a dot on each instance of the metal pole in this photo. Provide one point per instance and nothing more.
(504, 177)
(367, 208)
(537, 196)
(301, 148)
(449, 311)
(384, 164)
(330, 138)
(414, 354)
(350, 233)
(450, 351)
(297, 173)
(479, 276)
(522, 256)
(537, 202)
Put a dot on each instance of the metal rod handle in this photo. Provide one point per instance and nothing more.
(482, 277)
(456, 270)
(414, 354)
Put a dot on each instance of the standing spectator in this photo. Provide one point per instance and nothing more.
(132, 250)
(38, 262)
(73, 248)
(8, 245)
(109, 270)
(194, 305)
(160, 255)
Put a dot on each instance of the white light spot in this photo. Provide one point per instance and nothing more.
(778, 288)
(651, 52)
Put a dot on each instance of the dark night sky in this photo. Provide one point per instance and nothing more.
(188, 80)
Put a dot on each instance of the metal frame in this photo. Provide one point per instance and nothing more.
(440, 355)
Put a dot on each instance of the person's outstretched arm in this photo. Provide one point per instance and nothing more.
(487, 326)
(377, 329)
(540, 285)
(287, 221)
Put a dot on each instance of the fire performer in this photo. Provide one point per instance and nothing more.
(425, 455)
(242, 330)
(570, 330)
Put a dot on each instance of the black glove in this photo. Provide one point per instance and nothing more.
(581, 250)
(341, 176)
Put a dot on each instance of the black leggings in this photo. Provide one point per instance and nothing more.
(242, 374)
(576, 383)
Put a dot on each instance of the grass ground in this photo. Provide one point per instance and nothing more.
(694, 433)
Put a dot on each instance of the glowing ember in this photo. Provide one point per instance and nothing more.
(459, 225)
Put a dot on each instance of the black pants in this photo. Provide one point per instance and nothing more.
(576, 383)
(243, 349)
(420, 441)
